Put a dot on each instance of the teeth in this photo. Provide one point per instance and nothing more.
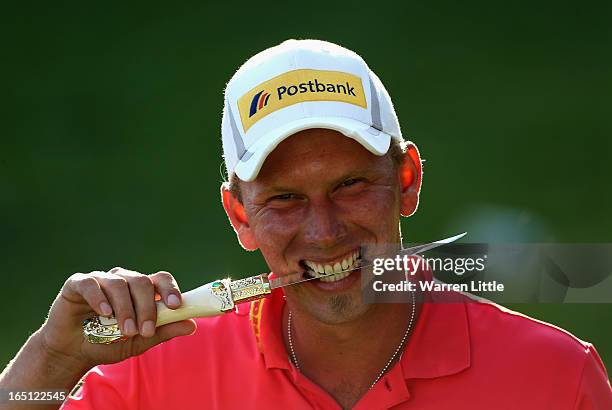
(335, 277)
(334, 271)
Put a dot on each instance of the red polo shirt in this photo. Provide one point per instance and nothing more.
(460, 356)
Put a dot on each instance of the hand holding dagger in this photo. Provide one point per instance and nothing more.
(221, 296)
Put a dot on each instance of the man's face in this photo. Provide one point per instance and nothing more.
(317, 199)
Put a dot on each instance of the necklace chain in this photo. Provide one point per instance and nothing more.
(384, 370)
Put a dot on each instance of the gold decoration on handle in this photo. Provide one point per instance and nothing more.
(102, 330)
(251, 288)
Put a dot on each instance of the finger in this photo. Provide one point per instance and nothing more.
(171, 330)
(143, 298)
(117, 291)
(164, 333)
(85, 287)
(167, 287)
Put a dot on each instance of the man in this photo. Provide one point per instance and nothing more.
(317, 167)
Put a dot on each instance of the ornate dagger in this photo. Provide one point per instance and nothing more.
(221, 296)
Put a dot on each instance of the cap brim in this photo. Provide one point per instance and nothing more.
(375, 141)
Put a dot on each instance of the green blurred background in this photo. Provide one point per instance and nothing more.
(111, 149)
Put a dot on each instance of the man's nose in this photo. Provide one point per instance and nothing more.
(323, 227)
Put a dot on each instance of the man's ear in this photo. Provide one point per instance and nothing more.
(411, 175)
(235, 212)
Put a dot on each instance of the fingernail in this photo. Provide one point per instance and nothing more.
(173, 300)
(106, 309)
(130, 327)
(148, 328)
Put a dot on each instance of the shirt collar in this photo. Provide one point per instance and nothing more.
(266, 321)
(439, 345)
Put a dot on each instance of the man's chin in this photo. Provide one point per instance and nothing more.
(331, 303)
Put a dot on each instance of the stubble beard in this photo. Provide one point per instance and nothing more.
(336, 309)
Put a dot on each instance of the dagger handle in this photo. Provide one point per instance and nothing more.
(211, 299)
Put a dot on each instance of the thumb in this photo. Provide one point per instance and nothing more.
(169, 331)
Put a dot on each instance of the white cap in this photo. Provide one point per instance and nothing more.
(297, 85)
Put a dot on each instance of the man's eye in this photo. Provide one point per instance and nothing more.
(349, 182)
(283, 197)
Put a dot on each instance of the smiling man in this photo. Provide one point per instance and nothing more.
(318, 168)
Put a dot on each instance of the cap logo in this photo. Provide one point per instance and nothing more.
(298, 86)
(260, 100)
